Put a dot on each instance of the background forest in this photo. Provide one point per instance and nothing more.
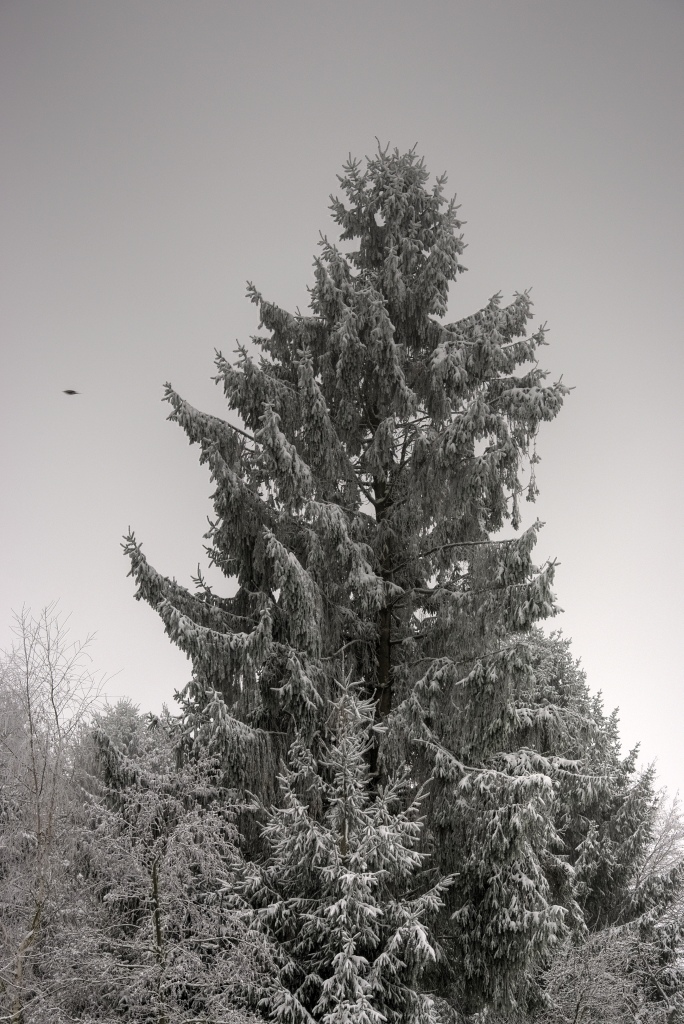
(386, 793)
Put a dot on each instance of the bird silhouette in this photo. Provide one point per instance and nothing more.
(69, 391)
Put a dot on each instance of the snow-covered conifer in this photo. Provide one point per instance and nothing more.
(380, 448)
(343, 895)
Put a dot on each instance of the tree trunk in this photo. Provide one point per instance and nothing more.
(382, 693)
(28, 940)
(156, 914)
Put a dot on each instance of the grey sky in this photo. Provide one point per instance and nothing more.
(157, 155)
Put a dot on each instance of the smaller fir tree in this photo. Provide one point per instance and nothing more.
(343, 895)
(607, 811)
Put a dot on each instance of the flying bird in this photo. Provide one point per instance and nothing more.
(69, 391)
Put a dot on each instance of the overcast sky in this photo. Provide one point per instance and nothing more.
(158, 154)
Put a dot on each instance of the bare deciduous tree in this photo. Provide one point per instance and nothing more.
(47, 692)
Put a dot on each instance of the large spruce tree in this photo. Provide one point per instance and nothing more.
(380, 450)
